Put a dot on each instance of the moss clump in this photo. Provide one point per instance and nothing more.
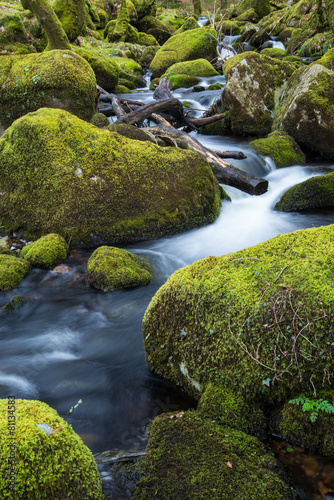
(100, 120)
(230, 410)
(270, 52)
(63, 175)
(48, 251)
(14, 304)
(189, 24)
(295, 425)
(282, 148)
(231, 320)
(122, 89)
(105, 69)
(12, 271)
(314, 193)
(306, 110)
(198, 67)
(261, 7)
(131, 132)
(189, 45)
(72, 15)
(48, 463)
(192, 458)
(111, 268)
(4, 250)
(56, 79)
(327, 60)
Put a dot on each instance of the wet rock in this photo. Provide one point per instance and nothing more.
(282, 148)
(12, 271)
(14, 304)
(47, 251)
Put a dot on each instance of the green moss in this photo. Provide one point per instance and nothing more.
(231, 320)
(189, 24)
(183, 81)
(193, 458)
(12, 271)
(105, 69)
(280, 53)
(128, 66)
(327, 60)
(282, 148)
(48, 251)
(147, 40)
(100, 120)
(320, 43)
(230, 410)
(122, 89)
(5, 251)
(56, 79)
(189, 45)
(14, 304)
(111, 268)
(314, 193)
(149, 22)
(248, 15)
(220, 127)
(197, 67)
(71, 14)
(261, 7)
(294, 425)
(63, 175)
(55, 465)
(131, 132)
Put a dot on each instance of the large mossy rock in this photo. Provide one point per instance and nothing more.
(56, 79)
(261, 7)
(105, 69)
(314, 193)
(258, 322)
(253, 83)
(48, 251)
(189, 70)
(111, 268)
(306, 110)
(13, 35)
(60, 174)
(194, 458)
(51, 461)
(282, 148)
(12, 271)
(187, 46)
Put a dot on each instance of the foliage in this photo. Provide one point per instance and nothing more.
(313, 405)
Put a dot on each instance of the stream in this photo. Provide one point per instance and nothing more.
(70, 343)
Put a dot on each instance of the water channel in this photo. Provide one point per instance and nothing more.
(70, 343)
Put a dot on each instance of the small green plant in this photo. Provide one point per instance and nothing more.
(313, 406)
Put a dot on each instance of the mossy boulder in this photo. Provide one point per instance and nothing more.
(48, 251)
(62, 175)
(282, 148)
(12, 271)
(13, 35)
(192, 458)
(231, 27)
(105, 69)
(253, 84)
(189, 71)
(261, 7)
(100, 120)
(248, 15)
(51, 460)
(187, 46)
(189, 24)
(149, 22)
(311, 428)
(131, 132)
(231, 320)
(271, 52)
(56, 79)
(13, 305)
(111, 268)
(314, 193)
(327, 60)
(306, 110)
(130, 73)
(231, 410)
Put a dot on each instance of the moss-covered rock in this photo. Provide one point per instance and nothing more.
(12, 271)
(187, 46)
(48, 251)
(185, 74)
(327, 60)
(282, 148)
(192, 458)
(189, 24)
(105, 69)
(311, 428)
(306, 110)
(253, 84)
(100, 120)
(248, 15)
(14, 304)
(261, 7)
(111, 268)
(230, 410)
(231, 27)
(270, 52)
(51, 461)
(131, 132)
(13, 35)
(314, 193)
(149, 22)
(56, 79)
(258, 322)
(63, 175)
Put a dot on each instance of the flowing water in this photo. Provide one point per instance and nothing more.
(70, 342)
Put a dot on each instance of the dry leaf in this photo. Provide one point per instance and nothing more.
(55, 430)
(229, 464)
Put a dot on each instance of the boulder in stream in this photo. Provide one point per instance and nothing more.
(253, 83)
(12, 271)
(258, 322)
(306, 110)
(183, 74)
(48, 251)
(314, 193)
(111, 268)
(192, 458)
(56, 79)
(282, 148)
(60, 174)
(51, 461)
(187, 46)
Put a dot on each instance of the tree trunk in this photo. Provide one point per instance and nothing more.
(330, 14)
(121, 28)
(48, 20)
(197, 7)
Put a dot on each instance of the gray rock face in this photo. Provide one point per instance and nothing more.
(306, 110)
(253, 85)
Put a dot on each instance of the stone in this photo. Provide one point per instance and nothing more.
(48, 251)
(282, 148)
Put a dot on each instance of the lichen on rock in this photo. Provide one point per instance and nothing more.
(111, 268)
